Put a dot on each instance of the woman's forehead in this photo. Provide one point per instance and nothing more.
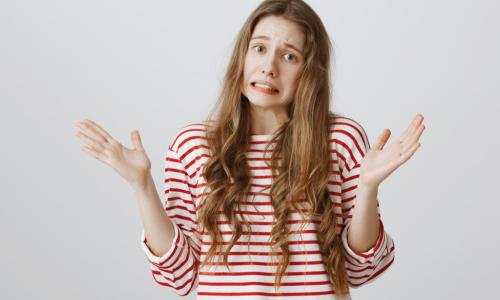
(281, 29)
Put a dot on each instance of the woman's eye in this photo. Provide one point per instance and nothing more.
(257, 47)
(290, 57)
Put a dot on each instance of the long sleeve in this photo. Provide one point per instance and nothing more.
(365, 266)
(177, 268)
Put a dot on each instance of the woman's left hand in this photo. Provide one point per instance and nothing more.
(379, 163)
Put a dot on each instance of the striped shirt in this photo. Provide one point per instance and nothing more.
(251, 266)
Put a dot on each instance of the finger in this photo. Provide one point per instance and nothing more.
(89, 141)
(91, 132)
(406, 155)
(97, 155)
(136, 140)
(382, 139)
(413, 138)
(99, 129)
(405, 133)
(414, 123)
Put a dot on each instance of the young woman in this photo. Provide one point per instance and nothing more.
(273, 195)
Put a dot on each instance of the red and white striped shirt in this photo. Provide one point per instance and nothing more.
(251, 266)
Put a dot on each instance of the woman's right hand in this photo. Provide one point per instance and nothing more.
(132, 164)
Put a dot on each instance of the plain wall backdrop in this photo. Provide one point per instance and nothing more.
(70, 225)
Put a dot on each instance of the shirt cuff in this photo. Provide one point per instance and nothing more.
(178, 242)
(367, 256)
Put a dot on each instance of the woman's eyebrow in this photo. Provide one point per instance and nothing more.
(263, 37)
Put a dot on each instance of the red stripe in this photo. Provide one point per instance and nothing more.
(196, 159)
(344, 160)
(374, 274)
(300, 242)
(257, 283)
(356, 127)
(349, 150)
(259, 151)
(262, 273)
(263, 142)
(184, 132)
(190, 138)
(265, 232)
(258, 263)
(187, 152)
(236, 253)
(265, 294)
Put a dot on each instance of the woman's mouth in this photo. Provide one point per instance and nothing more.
(264, 88)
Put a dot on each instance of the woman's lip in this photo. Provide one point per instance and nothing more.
(263, 90)
(275, 91)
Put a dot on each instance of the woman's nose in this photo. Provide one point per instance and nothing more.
(269, 68)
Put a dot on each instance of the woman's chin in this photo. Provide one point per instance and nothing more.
(263, 98)
(263, 101)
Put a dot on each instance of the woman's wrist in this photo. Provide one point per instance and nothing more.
(367, 188)
(144, 183)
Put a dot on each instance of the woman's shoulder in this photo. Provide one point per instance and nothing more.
(349, 140)
(345, 128)
(190, 135)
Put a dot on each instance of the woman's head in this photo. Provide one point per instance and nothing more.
(301, 159)
(284, 23)
(273, 62)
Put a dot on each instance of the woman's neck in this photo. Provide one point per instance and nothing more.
(267, 120)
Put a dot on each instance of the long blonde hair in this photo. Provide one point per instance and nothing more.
(302, 143)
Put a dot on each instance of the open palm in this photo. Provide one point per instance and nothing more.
(132, 164)
(380, 162)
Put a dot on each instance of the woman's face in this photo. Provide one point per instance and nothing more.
(273, 62)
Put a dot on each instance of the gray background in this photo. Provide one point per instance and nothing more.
(70, 225)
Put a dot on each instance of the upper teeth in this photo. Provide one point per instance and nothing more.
(264, 85)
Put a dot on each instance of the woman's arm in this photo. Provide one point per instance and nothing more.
(376, 166)
(158, 227)
(365, 226)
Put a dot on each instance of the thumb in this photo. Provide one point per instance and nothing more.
(136, 140)
(382, 139)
